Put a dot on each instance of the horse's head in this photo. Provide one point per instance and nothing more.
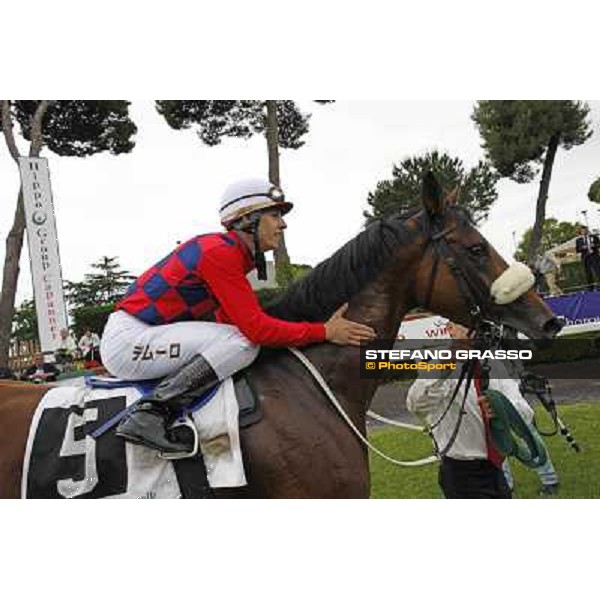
(462, 277)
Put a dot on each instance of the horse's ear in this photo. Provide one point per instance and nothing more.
(452, 197)
(432, 194)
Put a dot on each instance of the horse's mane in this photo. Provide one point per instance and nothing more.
(337, 279)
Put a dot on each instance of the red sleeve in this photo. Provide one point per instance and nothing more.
(223, 271)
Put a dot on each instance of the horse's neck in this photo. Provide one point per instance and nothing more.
(381, 305)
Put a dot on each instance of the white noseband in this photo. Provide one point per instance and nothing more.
(513, 283)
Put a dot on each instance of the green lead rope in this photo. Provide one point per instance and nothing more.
(511, 435)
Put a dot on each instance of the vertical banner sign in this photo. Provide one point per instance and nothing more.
(43, 251)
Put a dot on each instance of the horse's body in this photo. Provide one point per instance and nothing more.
(302, 448)
(17, 405)
(297, 450)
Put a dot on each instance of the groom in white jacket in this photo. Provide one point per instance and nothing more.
(472, 467)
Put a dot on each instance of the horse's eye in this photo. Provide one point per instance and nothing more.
(477, 250)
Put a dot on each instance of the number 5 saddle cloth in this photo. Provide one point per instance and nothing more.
(64, 460)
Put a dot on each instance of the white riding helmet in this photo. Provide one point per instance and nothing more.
(248, 196)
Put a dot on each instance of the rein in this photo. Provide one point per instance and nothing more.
(331, 396)
(475, 301)
(442, 251)
(467, 371)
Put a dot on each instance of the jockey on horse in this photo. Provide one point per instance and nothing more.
(162, 328)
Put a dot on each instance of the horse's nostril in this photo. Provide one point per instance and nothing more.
(553, 326)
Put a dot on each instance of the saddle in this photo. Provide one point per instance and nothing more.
(250, 411)
(191, 470)
(247, 398)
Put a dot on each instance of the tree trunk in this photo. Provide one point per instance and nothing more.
(14, 240)
(272, 134)
(540, 211)
(14, 245)
(282, 259)
(7, 128)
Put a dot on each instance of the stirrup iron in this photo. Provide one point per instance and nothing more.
(184, 421)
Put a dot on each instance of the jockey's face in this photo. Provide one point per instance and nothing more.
(270, 230)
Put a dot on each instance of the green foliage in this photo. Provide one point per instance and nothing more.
(572, 276)
(519, 135)
(91, 300)
(594, 192)
(516, 133)
(299, 271)
(25, 326)
(81, 127)
(403, 191)
(106, 286)
(92, 317)
(554, 232)
(284, 274)
(569, 349)
(267, 295)
(216, 119)
(288, 272)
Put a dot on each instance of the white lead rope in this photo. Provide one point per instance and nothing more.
(315, 373)
(400, 424)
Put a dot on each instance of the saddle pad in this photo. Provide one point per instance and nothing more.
(63, 461)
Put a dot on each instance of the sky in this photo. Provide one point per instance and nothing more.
(138, 206)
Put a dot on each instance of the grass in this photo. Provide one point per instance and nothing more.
(579, 473)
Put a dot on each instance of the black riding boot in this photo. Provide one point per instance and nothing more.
(148, 424)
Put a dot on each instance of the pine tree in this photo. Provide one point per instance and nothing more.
(282, 123)
(402, 191)
(520, 135)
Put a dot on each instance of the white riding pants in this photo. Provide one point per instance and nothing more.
(132, 349)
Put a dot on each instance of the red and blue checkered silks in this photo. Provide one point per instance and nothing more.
(174, 289)
(207, 275)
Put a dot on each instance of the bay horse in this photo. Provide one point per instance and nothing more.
(433, 258)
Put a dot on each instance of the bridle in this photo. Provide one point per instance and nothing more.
(477, 299)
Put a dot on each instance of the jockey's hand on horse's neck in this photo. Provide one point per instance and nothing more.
(375, 307)
(345, 332)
